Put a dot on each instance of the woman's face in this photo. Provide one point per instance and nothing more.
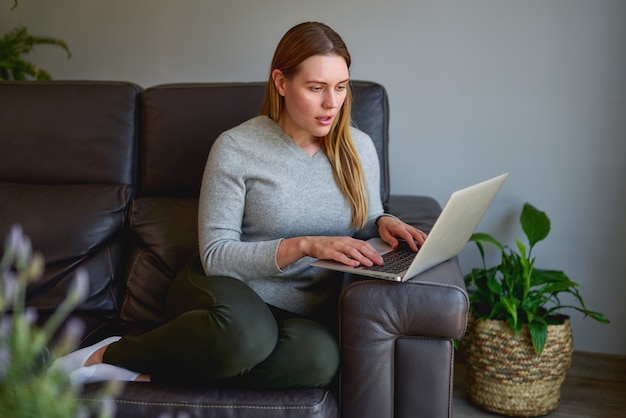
(313, 96)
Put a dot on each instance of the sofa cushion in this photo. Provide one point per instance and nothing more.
(370, 113)
(180, 123)
(151, 400)
(166, 236)
(71, 226)
(68, 132)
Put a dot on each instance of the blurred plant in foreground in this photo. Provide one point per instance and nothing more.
(27, 389)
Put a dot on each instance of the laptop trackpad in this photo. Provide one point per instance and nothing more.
(379, 245)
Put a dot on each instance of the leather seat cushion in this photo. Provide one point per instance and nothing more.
(165, 236)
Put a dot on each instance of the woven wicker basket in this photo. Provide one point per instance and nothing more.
(505, 375)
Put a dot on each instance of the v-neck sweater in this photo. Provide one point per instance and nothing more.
(260, 187)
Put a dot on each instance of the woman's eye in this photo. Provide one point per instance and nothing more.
(341, 87)
(316, 88)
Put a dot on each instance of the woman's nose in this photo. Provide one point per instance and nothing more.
(330, 100)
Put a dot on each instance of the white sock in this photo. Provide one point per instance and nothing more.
(100, 373)
(77, 359)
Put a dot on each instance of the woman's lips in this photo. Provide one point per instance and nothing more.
(325, 120)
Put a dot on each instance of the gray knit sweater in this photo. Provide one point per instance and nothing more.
(260, 187)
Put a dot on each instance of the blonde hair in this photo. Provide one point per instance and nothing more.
(299, 43)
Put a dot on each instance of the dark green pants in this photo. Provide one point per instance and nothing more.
(221, 332)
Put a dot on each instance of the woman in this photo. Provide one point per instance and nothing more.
(291, 185)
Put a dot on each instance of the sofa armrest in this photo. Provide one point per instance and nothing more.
(397, 338)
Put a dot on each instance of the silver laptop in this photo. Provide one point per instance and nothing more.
(451, 232)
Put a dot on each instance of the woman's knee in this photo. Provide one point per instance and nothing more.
(237, 344)
(315, 348)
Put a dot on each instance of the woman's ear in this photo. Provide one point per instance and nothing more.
(279, 81)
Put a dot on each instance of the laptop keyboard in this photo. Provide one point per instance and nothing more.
(395, 261)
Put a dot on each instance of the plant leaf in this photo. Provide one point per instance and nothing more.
(486, 238)
(511, 304)
(597, 316)
(542, 277)
(538, 335)
(592, 314)
(535, 224)
(493, 285)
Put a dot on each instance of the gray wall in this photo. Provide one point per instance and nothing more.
(477, 87)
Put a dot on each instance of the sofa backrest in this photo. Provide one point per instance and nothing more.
(181, 121)
(179, 124)
(67, 175)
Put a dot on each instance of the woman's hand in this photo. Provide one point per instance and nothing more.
(349, 251)
(391, 229)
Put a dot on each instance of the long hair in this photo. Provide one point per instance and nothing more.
(299, 43)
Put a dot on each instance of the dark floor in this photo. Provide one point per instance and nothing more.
(594, 388)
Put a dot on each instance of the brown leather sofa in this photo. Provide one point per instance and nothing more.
(106, 175)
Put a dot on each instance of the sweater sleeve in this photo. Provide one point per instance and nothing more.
(220, 214)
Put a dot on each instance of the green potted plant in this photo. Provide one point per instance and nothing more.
(519, 344)
(15, 44)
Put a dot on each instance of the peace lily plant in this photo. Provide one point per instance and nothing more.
(515, 291)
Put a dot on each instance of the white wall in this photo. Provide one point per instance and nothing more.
(477, 87)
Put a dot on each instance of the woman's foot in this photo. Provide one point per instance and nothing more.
(80, 358)
(103, 372)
